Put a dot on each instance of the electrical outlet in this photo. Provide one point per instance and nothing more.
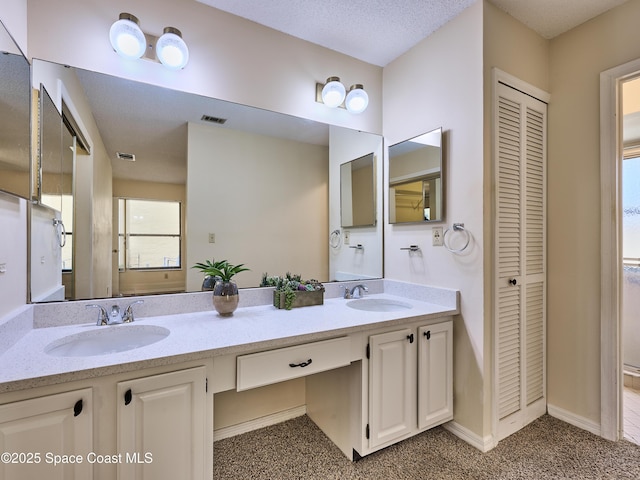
(212, 238)
(347, 237)
(438, 239)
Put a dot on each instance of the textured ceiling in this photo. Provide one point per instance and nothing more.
(378, 31)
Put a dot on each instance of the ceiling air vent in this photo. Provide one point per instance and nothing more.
(210, 119)
(129, 157)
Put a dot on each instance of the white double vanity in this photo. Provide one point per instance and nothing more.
(377, 370)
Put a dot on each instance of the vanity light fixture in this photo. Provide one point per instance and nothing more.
(333, 94)
(129, 41)
(127, 38)
(357, 99)
(171, 49)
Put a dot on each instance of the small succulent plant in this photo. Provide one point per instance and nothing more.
(288, 285)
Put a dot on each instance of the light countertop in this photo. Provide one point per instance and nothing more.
(203, 334)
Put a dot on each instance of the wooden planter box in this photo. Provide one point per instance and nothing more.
(303, 299)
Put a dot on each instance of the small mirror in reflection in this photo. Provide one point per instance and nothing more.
(357, 192)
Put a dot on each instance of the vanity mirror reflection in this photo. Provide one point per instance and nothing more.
(248, 185)
(15, 105)
(416, 179)
(357, 192)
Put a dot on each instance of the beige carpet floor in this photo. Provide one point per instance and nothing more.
(546, 449)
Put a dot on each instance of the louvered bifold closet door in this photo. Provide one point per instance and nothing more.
(520, 128)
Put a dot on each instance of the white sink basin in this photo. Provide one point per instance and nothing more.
(378, 305)
(105, 340)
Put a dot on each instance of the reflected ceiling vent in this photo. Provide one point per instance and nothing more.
(210, 119)
(129, 157)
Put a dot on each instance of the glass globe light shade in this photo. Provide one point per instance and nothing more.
(357, 99)
(126, 37)
(171, 49)
(333, 92)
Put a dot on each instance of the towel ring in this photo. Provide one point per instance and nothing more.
(61, 232)
(335, 239)
(457, 227)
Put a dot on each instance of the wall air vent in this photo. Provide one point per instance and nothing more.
(210, 119)
(129, 157)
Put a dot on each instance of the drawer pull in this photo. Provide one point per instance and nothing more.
(303, 364)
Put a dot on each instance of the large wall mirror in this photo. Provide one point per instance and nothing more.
(416, 179)
(15, 107)
(358, 192)
(172, 178)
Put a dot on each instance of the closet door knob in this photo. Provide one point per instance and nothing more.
(513, 281)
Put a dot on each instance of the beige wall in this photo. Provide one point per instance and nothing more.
(265, 199)
(519, 51)
(438, 83)
(577, 58)
(233, 408)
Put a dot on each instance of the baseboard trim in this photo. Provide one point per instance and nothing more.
(575, 420)
(484, 444)
(255, 424)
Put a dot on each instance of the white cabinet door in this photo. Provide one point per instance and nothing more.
(435, 374)
(34, 432)
(163, 427)
(392, 386)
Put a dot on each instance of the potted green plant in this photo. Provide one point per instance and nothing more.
(225, 290)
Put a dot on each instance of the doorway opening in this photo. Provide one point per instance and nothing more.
(630, 311)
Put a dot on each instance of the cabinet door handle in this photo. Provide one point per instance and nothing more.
(428, 334)
(410, 338)
(513, 281)
(127, 397)
(302, 365)
(77, 408)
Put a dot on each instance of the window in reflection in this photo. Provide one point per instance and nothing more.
(149, 234)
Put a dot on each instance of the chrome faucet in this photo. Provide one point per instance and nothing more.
(358, 288)
(115, 317)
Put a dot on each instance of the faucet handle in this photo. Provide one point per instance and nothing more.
(127, 317)
(102, 315)
(347, 292)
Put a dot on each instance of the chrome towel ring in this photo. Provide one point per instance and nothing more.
(335, 239)
(61, 232)
(457, 227)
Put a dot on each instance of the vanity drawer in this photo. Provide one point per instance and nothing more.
(264, 368)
